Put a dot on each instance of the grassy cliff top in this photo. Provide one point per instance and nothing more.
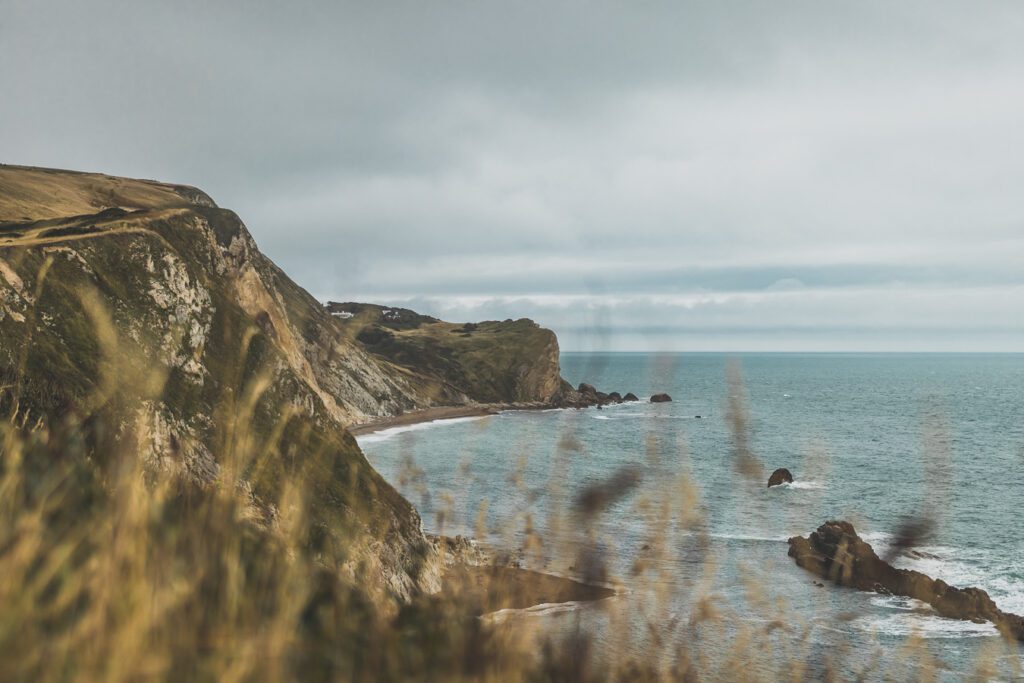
(35, 194)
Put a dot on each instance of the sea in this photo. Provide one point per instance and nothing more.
(668, 502)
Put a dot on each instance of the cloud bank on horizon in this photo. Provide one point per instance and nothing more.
(662, 176)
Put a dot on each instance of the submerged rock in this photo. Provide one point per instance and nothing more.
(661, 398)
(779, 477)
(837, 553)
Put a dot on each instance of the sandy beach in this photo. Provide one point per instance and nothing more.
(440, 413)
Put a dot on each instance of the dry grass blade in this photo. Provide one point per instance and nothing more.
(117, 571)
(911, 532)
(738, 419)
(597, 497)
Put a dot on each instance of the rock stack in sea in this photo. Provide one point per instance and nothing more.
(835, 552)
(779, 477)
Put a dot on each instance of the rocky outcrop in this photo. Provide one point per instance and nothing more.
(835, 552)
(779, 476)
(630, 398)
(661, 398)
(587, 396)
(459, 551)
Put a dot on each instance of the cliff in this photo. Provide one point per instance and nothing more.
(511, 361)
(143, 311)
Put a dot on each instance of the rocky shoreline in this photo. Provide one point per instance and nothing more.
(586, 396)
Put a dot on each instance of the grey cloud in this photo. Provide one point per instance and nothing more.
(580, 149)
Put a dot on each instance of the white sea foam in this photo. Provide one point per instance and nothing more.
(1008, 594)
(877, 537)
(648, 416)
(899, 602)
(809, 485)
(390, 432)
(902, 616)
(964, 568)
(925, 623)
(960, 567)
(952, 571)
(750, 537)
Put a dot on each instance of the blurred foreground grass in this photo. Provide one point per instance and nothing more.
(114, 570)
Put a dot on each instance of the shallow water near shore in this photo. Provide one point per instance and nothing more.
(871, 438)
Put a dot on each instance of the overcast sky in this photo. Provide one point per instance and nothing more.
(690, 176)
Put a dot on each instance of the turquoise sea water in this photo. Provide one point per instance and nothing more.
(871, 438)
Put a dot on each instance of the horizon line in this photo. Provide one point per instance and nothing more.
(804, 351)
